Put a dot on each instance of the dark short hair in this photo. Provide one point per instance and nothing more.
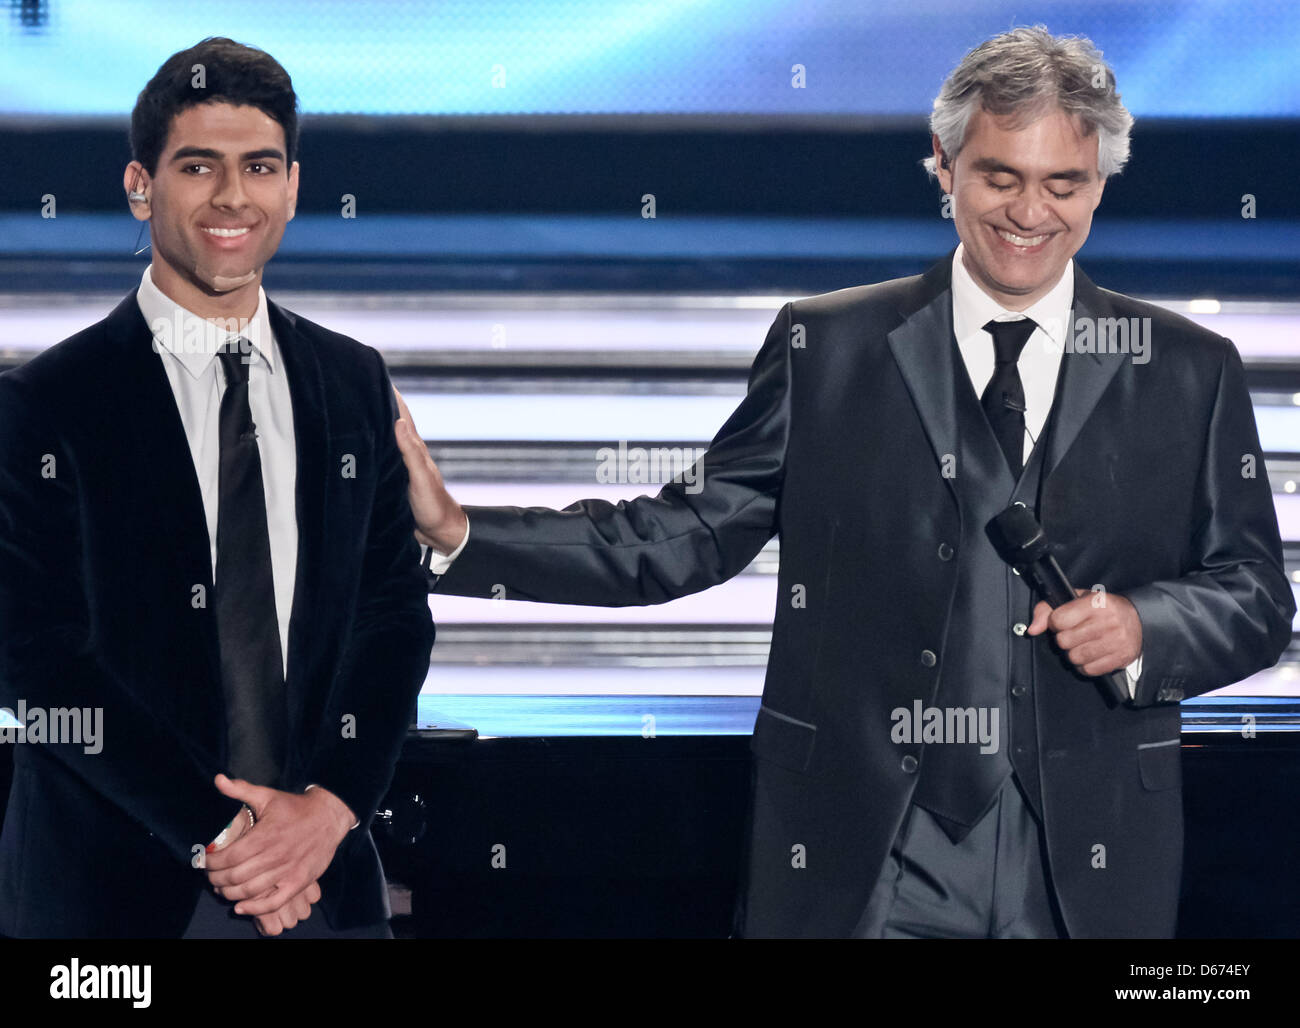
(232, 73)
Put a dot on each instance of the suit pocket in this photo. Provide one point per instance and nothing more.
(784, 740)
(1160, 764)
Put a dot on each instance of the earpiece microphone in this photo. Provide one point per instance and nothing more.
(137, 198)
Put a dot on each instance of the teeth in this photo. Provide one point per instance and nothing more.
(1011, 237)
(226, 233)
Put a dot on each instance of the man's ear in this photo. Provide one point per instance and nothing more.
(942, 170)
(292, 199)
(138, 186)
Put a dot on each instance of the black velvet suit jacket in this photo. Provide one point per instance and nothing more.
(99, 568)
(839, 448)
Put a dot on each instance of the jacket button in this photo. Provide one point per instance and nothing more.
(928, 658)
(909, 764)
(945, 551)
(1018, 690)
(1020, 628)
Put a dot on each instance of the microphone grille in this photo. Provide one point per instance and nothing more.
(1015, 533)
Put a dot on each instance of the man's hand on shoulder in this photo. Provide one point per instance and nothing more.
(439, 520)
(1100, 632)
(273, 867)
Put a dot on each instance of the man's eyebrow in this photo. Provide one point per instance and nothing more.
(992, 166)
(216, 155)
(1072, 175)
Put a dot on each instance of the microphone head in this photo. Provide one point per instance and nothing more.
(1017, 536)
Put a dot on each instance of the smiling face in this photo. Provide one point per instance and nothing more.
(217, 206)
(1023, 200)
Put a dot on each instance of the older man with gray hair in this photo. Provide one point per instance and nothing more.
(937, 753)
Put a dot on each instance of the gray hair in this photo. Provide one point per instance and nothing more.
(1025, 73)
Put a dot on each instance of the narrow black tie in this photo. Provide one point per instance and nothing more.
(252, 669)
(1004, 397)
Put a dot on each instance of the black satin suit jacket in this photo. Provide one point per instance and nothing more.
(838, 448)
(98, 569)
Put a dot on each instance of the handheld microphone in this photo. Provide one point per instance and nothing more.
(1021, 542)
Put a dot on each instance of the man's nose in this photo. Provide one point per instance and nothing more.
(1027, 213)
(230, 191)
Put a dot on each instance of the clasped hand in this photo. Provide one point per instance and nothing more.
(1099, 632)
(271, 869)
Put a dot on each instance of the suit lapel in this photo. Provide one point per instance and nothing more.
(311, 439)
(1085, 375)
(155, 435)
(923, 349)
(161, 472)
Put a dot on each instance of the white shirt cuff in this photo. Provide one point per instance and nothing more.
(440, 563)
(1134, 672)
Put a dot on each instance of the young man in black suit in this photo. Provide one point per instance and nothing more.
(884, 427)
(204, 534)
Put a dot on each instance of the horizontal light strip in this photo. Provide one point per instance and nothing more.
(1288, 515)
(1256, 336)
(588, 681)
(683, 323)
(743, 600)
(539, 494)
(647, 716)
(1279, 428)
(738, 330)
(717, 681)
(401, 330)
(605, 418)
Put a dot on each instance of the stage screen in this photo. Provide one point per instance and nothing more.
(724, 58)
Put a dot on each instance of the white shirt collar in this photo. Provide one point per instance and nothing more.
(972, 308)
(194, 340)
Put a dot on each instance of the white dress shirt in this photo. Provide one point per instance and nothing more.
(187, 345)
(1040, 360)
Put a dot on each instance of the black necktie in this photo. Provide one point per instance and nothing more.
(252, 671)
(1004, 397)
